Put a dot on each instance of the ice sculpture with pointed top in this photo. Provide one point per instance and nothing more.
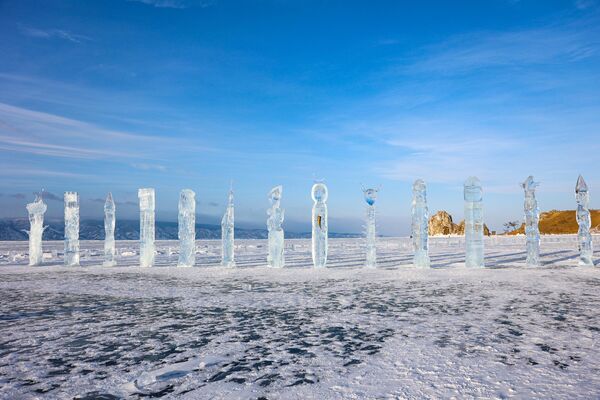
(275, 258)
(227, 238)
(36, 211)
(532, 217)
(147, 205)
(420, 225)
(319, 225)
(187, 228)
(71, 228)
(584, 221)
(109, 231)
(473, 195)
(370, 228)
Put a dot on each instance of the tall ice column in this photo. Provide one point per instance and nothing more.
(146, 197)
(227, 230)
(109, 231)
(275, 257)
(473, 223)
(420, 225)
(36, 212)
(187, 228)
(532, 218)
(584, 221)
(71, 228)
(319, 225)
(370, 228)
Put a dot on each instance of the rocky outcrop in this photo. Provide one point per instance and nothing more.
(441, 223)
(561, 222)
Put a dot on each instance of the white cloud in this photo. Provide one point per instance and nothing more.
(53, 33)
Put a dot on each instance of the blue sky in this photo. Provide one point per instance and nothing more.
(99, 96)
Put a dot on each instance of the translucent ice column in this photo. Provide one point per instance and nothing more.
(187, 228)
(370, 228)
(583, 220)
(420, 225)
(319, 225)
(146, 197)
(109, 231)
(227, 240)
(532, 217)
(473, 223)
(36, 212)
(275, 257)
(71, 228)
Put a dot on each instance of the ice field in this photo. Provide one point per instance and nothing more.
(345, 332)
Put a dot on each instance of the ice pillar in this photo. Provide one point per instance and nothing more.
(36, 212)
(187, 228)
(319, 225)
(473, 223)
(227, 239)
(109, 231)
(584, 221)
(370, 228)
(71, 228)
(532, 217)
(275, 257)
(420, 225)
(146, 197)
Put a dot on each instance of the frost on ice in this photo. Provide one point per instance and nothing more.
(319, 225)
(146, 197)
(584, 221)
(473, 194)
(227, 239)
(109, 231)
(187, 228)
(370, 228)
(71, 228)
(275, 257)
(36, 212)
(420, 226)
(532, 217)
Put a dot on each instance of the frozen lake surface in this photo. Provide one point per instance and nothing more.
(506, 331)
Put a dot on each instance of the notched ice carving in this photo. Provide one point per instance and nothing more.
(36, 211)
(420, 225)
(370, 228)
(275, 218)
(187, 228)
(319, 225)
(532, 218)
(227, 231)
(584, 237)
(71, 228)
(109, 231)
(147, 205)
(473, 194)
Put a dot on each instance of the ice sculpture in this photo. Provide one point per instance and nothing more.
(227, 239)
(109, 231)
(584, 221)
(275, 257)
(473, 223)
(71, 228)
(146, 197)
(532, 217)
(187, 228)
(36, 212)
(370, 228)
(420, 226)
(319, 225)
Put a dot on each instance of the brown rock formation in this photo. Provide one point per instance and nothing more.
(561, 221)
(441, 223)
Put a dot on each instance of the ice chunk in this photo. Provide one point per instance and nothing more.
(420, 227)
(227, 230)
(71, 228)
(275, 257)
(109, 231)
(584, 221)
(532, 217)
(473, 195)
(36, 212)
(147, 251)
(370, 228)
(187, 228)
(319, 225)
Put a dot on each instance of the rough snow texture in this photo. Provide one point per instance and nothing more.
(344, 332)
(187, 228)
(275, 258)
(420, 225)
(532, 219)
(109, 231)
(36, 211)
(71, 228)
(319, 195)
(227, 231)
(584, 221)
(473, 194)
(147, 248)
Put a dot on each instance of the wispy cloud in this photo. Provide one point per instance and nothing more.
(53, 34)
(149, 167)
(175, 3)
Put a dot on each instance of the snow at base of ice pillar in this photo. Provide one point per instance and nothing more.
(420, 227)
(370, 228)
(473, 223)
(275, 258)
(71, 228)
(319, 225)
(584, 221)
(187, 228)
(532, 217)
(227, 230)
(36, 212)
(109, 231)
(146, 197)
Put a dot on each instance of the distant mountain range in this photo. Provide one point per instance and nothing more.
(89, 229)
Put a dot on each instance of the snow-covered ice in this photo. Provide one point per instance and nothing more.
(342, 332)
